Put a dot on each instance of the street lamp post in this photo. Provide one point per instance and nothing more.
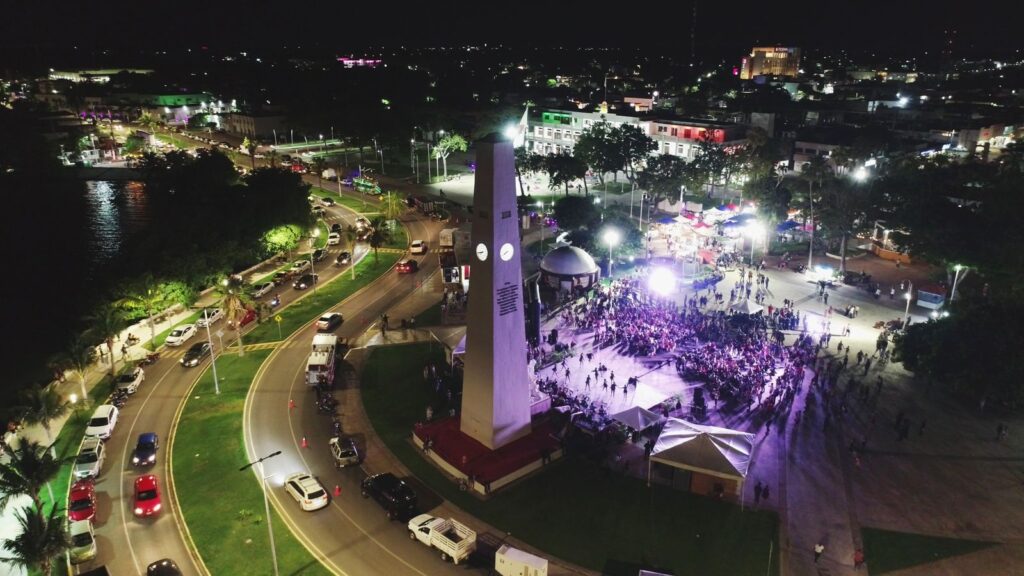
(754, 230)
(266, 503)
(909, 296)
(312, 260)
(956, 279)
(543, 225)
(213, 355)
(611, 237)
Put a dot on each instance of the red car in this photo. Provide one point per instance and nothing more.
(82, 501)
(147, 495)
(249, 316)
(407, 267)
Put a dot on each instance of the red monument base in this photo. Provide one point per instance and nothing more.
(486, 470)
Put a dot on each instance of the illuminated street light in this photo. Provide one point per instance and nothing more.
(860, 174)
(753, 230)
(909, 296)
(956, 280)
(662, 281)
(611, 237)
(511, 131)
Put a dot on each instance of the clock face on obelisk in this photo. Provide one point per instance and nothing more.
(506, 252)
(481, 251)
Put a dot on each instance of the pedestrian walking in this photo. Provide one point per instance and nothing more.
(819, 549)
(892, 292)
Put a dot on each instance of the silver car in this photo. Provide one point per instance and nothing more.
(90, 457)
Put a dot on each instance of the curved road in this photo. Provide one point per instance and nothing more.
(352, 536)
(128, 544)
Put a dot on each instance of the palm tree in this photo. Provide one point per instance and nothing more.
(147, 297)
(319, 164)
(236, 302)
(41, 539)
(44, 405)
(78, 356)
(107, 322)
(392, 206)
(30, 467)
(379, 236)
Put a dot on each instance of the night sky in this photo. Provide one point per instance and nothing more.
(725, 29)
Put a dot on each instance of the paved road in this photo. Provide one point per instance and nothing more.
(352, 536)
(127, 544)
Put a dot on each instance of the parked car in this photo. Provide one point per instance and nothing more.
(103, 421)
(147, 495)
(344, 452)
(408, 267)
(343, 258)
(195, 354)
(329, 321)
(209, 316)
(165, 567)
(90, 458)
(362, 222)
(180, 335)
(145, 449)
(82, 500)
(393, 494)
(306, 490)
(418, 247)
(327, 201)
(305, 281)
(130, 381)
(319, 254)
(261, 290)
(319, 211)
(333, 239)
(281, 277)
(83, 541)
(336, 227)
(453, 539)
(300, 266)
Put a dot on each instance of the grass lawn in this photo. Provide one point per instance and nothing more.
(620, 524)
(321, 239)
(429, 317)
(176, 140)
(328, 294)
(162, 336)
(227, 526)
(349, 202)
(887, 551)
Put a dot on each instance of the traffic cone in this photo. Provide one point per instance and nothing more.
(337, 490)
(304, 443)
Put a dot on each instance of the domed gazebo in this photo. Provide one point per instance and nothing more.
(567, 267)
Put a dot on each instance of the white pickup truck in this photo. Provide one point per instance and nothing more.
(454, 539)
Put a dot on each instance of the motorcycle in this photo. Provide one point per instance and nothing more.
(336, 427)
(275, 302)
(149, 359)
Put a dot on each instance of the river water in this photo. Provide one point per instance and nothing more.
(114, 212)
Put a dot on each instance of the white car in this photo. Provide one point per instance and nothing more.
(261, 290)
(211, 316)
(307, 491)
(90, 459)
(300, 266)
(130, 381)
(102, 423)
(180, 335)
(333, 239)
(83, 541)
(418, 247)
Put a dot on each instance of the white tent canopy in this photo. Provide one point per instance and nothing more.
(747, 307)
(637, 418)
(706, 449)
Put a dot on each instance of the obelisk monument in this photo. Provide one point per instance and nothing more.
(496, 387)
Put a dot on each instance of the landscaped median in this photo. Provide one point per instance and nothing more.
(575, 509)
(222, 507)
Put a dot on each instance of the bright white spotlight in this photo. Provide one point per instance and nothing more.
(860, 174)
(662, 281)
(511, 132)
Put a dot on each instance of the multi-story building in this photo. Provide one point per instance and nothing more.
(771, 61)
(557, 131)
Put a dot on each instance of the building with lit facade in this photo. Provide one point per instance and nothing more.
(554, 131)
(771, 61)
